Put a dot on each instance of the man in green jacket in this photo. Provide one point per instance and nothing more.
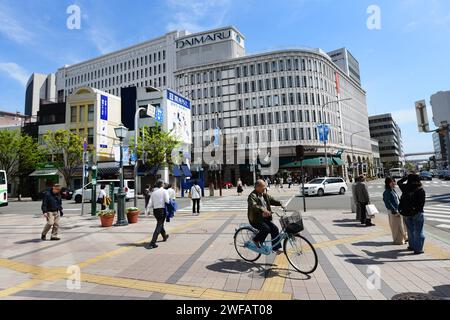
(260, 214)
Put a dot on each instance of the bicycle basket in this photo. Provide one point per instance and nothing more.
(292, 222)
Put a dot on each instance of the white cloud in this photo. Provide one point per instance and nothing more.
(15, 72)
(103, 41)
(11, 28)
(196, 15)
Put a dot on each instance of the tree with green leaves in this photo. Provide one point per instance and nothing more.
(66, 151)
(410, 167)
(156, 147)
(18, 153)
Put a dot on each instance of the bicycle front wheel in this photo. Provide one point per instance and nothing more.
(300, 254)
(241, 237)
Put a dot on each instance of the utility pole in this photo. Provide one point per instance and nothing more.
(136, 163)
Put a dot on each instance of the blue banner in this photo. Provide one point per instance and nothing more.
(324, 131)
(104, 108)
(159, 115)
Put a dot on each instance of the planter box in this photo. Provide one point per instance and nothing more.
(107, 221)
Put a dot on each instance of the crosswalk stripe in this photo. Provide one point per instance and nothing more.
(437, 215)
(443, 226)
(431, 210)
(439, 220)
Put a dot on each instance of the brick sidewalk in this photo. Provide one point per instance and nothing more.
(199, 261)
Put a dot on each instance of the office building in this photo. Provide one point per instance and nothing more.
(39, 87)
(347, 63)
(384, 129)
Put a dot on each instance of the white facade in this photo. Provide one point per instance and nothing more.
(151, 63)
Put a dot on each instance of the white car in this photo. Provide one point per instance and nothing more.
(321, 186)
(128, 186)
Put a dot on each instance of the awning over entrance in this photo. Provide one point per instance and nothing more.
(186, 171)
(313, 162)
(45, 173)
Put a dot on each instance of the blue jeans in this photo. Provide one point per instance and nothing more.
(415, 231)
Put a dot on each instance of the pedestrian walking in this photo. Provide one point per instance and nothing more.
(102, 197)
(172, 192)
(147, 194)
(158, 201)
(289, 181)
(52, 210)
(396, 221)
(363, 199)
(196, 196)
(240, 188)
(411, 206)
(260, 215)
(281, 183)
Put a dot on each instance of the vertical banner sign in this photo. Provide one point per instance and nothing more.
(323, 130)
(103, 122)
(338, 84)
(178, 116)
(217, 137)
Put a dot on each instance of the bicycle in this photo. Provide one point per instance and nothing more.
(298, 250)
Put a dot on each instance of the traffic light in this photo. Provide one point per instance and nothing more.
(300, 152)
(322, 161)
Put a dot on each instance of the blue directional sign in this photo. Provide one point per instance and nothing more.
(217, 137)
(133, 157)
(159, 115)
(324, 131)
(104, 108)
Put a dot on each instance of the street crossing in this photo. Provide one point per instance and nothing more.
(228, 204)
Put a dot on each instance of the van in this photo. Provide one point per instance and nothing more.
(128, 188)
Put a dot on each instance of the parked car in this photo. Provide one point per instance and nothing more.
(322, 186)
(128, 186)
(425, 175)
(66, 194)
(446, 175)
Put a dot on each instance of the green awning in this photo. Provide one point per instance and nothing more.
(45, 173)
(313, 162)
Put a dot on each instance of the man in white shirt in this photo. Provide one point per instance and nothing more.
(171, 191)
(158, 201)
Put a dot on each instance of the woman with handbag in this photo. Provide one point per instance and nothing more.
(392, 201)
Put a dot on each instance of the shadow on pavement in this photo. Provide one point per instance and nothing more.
(392, 255)
(266, 270)
(28, 241)
(373, 244)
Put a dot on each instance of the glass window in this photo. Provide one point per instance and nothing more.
(90, 136)
(91, 112)
(73, 114)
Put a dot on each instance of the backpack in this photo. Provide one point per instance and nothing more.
(405, 207)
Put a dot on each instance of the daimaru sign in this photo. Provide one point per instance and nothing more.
(203, 39)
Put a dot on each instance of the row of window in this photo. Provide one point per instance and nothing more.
(292, 99)
(81, 114)
(283, 83)
(289, 64)
(116, 79)
(286, 134)
(120, 67)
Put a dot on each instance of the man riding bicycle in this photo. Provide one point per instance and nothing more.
(260, 215)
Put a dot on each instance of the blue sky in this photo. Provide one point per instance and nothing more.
(408, 59)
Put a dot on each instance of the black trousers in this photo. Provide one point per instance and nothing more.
(160, 219)
(364, 219)
(195, 205)
(264, 229)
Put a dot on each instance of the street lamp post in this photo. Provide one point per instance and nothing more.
(351, 140)
(121, 133)
(323, 126)
(136, 135)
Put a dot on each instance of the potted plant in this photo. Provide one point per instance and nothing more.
(133, 215)
(107, 217)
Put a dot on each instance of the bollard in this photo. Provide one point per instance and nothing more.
(111, 195)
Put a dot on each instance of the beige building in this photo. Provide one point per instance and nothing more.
(93, 115)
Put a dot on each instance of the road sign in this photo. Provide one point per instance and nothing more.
(422, 116)
(151, 111)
